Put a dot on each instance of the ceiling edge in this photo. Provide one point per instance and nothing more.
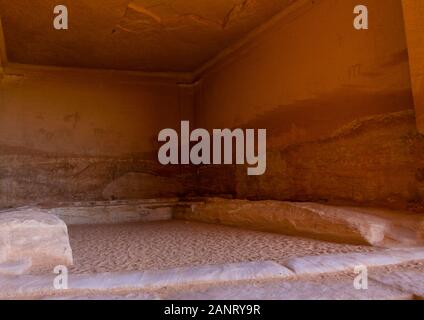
(296, 8)
(183, 78)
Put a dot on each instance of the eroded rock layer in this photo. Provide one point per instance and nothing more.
(330, 223)
(32, 177)
(376, 161)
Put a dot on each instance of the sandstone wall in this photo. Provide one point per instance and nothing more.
(337, 104)
(374, 161)
(414, 27)
(86, 135)
(307, 76)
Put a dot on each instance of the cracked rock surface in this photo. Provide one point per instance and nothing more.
(148, 35)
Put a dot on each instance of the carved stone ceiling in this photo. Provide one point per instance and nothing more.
(146, 35)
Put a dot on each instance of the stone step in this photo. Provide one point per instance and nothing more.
(299, 289)
(106, 296)
(28, 285)
(407, 281)
(295, 272)
(292, 280)
(381, 285)
(348, 262)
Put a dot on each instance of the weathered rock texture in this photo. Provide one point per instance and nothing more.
(249, 280)
(374, 161)
(377, 160)
(152, 279)
(342, 224)
(32, 235)
(407, 281)
(68, 135)
(107, 212)
(34, 177)
(16, 267)
(154, 35)
(300, 289)
(414, 27)
(304, 92)
(348, 262)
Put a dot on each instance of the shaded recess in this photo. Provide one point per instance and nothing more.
(301, 72)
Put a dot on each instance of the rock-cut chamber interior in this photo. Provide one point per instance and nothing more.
(82, 107)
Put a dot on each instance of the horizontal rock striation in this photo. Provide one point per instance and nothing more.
(109, 212)
(374, 161)
(31, 176)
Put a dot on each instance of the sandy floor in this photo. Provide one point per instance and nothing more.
(170, 244)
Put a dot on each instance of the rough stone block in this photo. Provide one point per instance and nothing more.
(34, 235)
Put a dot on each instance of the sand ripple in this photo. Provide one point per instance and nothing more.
(170, 244)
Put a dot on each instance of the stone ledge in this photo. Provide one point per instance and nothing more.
(16, 267)
(292, 290)
(227, 281)
(407, 281)
(106, 296)
(28, 285)
(336, 263)
(378, 227)
(107, 212)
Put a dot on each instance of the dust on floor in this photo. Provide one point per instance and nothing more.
(171, 244)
